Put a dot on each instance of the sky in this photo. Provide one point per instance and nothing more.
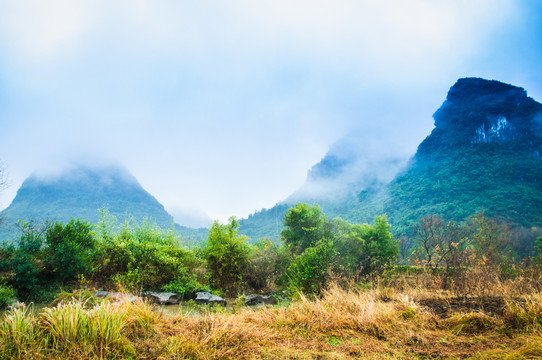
(222, 107)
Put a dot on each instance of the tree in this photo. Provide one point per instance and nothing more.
(304, 226)
(263, 270)
(538, 246)
(441, 246)
(227, 256)
(310, 272)
(491, 240)
(70, 249)
(350, 246)
(380, 249)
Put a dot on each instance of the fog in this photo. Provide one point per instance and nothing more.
(222, 108)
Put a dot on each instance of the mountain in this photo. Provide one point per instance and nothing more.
(484, 154)
(80, 192)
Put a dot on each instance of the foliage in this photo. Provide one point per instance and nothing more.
(380, 249)
(140, 256)
(266, 266)
(304, 226)
(227, 255)
(70, 249)
(7, 294)
(26, 261)
(538, 246)
(186, 285)
(310, 272)
(132, 258)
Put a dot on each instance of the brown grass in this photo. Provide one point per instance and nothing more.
(368, 324)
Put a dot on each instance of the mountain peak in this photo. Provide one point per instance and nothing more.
(479, 90)
(480, 111)
(80, 191)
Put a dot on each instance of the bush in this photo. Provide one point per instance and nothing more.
(7, 295)
(310, 272)
(263, 269)
(142, 256)
(185, 285)
(70, 249)
(227, 255)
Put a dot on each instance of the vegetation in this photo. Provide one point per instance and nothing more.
(227, 256)
(341, 324)
(80, 192)
(482, 156)
(463, 292)
(464, 279)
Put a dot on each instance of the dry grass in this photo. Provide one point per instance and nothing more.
(370, 324)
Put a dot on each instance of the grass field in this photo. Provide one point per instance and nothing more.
(343, 324)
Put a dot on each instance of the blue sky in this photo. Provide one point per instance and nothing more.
(223, 106)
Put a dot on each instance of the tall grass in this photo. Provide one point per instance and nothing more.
(72, 329)
(19, 334)
(342, 324)
(75, 325)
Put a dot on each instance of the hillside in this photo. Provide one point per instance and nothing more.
(80, 192)
(484, 154)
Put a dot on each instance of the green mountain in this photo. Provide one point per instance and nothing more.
(80, 192)
(484, 154)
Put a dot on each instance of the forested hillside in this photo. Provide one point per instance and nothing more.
(81, 192)
(484, 155)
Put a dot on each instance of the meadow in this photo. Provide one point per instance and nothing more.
(383, 322)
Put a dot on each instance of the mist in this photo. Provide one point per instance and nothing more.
(223, 108)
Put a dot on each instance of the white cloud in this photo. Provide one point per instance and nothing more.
(222, 99)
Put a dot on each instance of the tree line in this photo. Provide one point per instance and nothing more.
(314, 251)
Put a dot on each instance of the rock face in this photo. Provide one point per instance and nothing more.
(208, 298)
(478, 111)
(163, 298)
(252, 300)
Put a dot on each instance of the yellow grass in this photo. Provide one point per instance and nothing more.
(367, 324)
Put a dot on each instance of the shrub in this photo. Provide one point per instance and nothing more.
(310, 272)
(185, 285)
(227, 255)
(141, 256)
(7, 294)
(70, 249)
(263, 269)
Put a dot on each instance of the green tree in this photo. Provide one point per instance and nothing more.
(365, 248)
(304, 226)
(310, 272)
(70, 249)
(350, 246)
(140, 255)
(27, 261)
(263, 269)
(380, 249)
(227, 255)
